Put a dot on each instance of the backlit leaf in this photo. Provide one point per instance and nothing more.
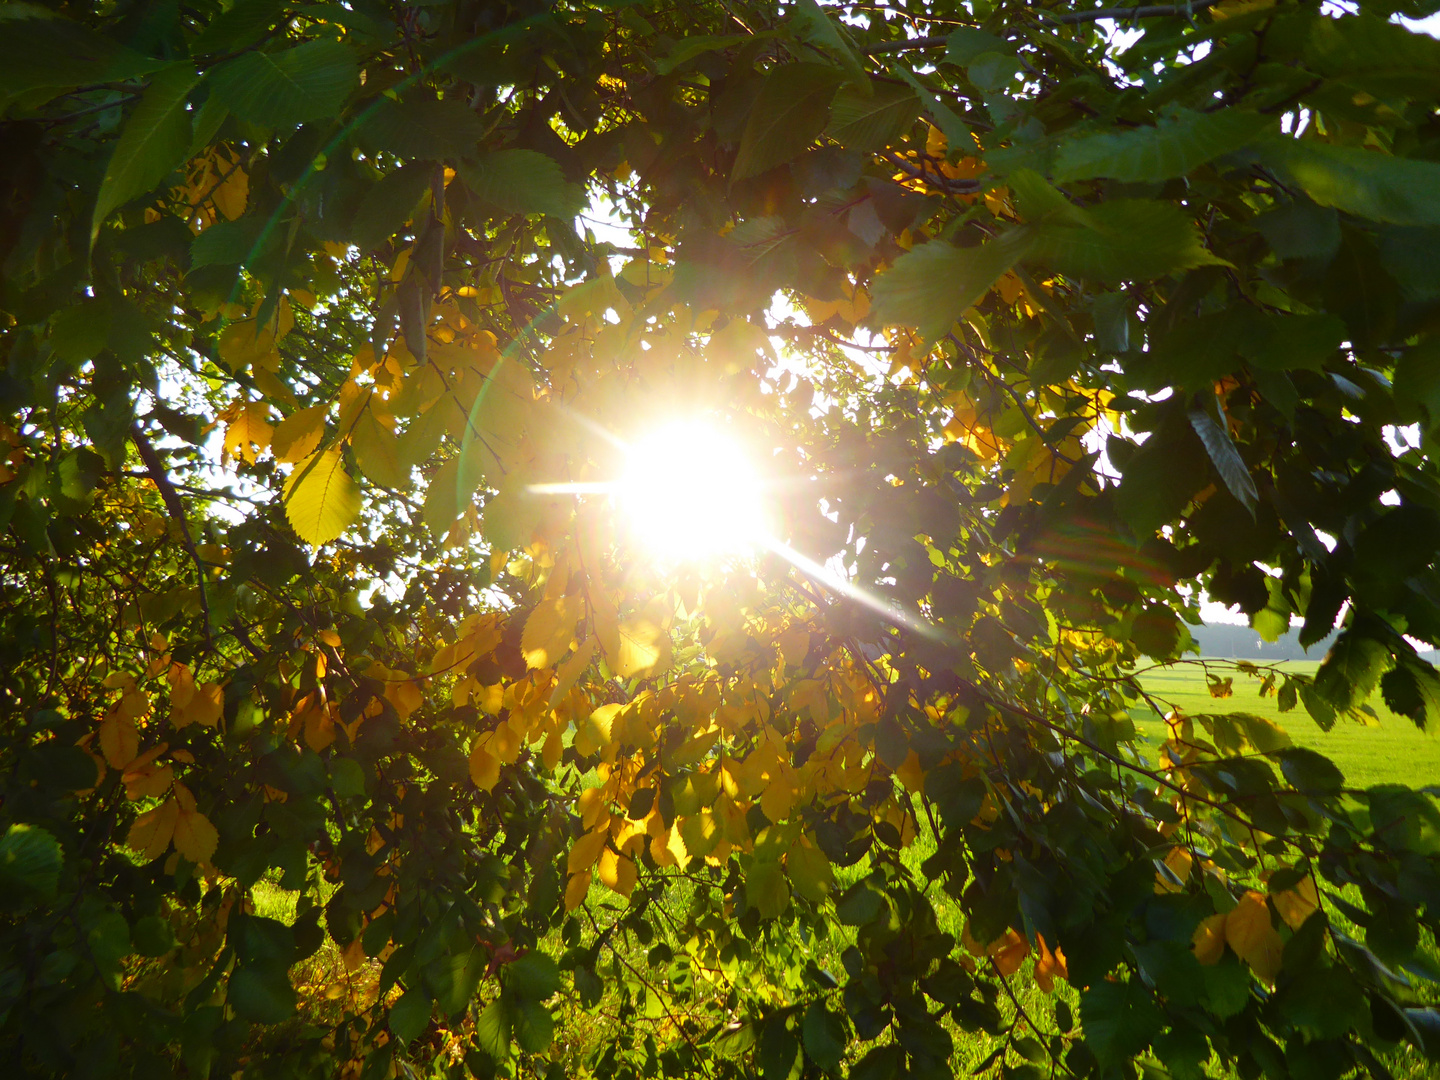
(866, 122)
(1248, 931)
(1173, 147)
(321, 500)
(155, 139)
(789, 113)
(288, 87)
(932, 286)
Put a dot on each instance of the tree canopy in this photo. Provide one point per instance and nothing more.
(353, 721)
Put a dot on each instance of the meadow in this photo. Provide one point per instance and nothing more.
(1393, 751)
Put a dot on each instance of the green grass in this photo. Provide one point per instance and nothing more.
(1393, 752)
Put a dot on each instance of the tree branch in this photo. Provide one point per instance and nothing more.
(171, 498)
(1120, 14)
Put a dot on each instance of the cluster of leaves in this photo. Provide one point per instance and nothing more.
(307, 343)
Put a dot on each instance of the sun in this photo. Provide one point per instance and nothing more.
(690, 492)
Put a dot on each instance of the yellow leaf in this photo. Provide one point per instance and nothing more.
(1297, 904)
(484, 767)
(778, 798)
(377, 452)
(617, 871)
(250, 431)
(152, 830)
(244, 342)
(1249, 933)
(575, 890)
(1049, 966)
(405, 695)
(596, 731)
(587, 850)
(296, 437)
(195, 837)
(148, 781)
(205, 706)
(119, 741)
(549, 630)
(911, 774)
(182, 685)
(319, 728)
(570, 671)
(794, 644)
(1178, 861)
(643, 648)
(320, 498)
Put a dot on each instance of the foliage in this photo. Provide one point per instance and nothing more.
(301, 330)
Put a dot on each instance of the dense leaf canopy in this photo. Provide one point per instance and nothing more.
(353, 725)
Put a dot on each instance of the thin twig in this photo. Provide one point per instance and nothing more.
(171, 499)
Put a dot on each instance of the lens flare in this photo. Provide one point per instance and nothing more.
(689, 492)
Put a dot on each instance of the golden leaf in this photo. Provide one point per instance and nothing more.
(1297, 904)
(405, 695)
(319, 728)
(151, 832)
(1049, 966)
(182, 685)
(1248, 931)
(587, 850)
(195, 837)
(147, 781)
(576, 889)
(642, 648)
(205, 706)
(296, 437)
(549, 630)
(321, 500)
(617, 872)
(484, 767)
(119, 741)
(249, 432)
(911, 774)
(568, 673)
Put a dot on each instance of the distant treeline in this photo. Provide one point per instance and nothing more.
(1243, 643)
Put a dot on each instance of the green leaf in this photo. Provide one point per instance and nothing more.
(533, 1025)
(1351, 670)
(455, 977)
(153, 936)
(690, 47)
(289, 87)
(492, 1030)
(788, 115)
(46, 51)
(522, 182)
(1173, 147)
(932, 285)
(968, 42)
(959, 138)
(814, 26)
(155, 139)
(239, 27)
(1413, 689)
(262, 994)
(1134, 240)
(534, 977)
(1119, 1019)
(810, 872)
(410, 1015)
(868, 122)
(30, 864)
(1310, 772)
(1226, 458)
(227, 243)
(1366, 183)
(389, 204)
(824, 1036)
(423, 127)
(766, 888)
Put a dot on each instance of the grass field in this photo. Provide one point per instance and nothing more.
(1394, 752)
